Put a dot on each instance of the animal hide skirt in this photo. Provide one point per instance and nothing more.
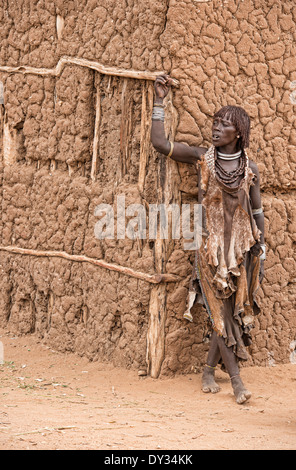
(226, 271)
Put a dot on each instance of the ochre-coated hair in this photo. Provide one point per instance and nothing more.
(241, 121)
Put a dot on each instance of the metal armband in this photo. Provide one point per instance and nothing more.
(257, 211)
(263, 255)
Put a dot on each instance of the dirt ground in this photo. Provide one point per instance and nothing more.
(52, 401)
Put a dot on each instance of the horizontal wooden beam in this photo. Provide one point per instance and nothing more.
(152, 278)
(103, 69)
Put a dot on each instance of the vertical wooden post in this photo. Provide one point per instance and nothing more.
(168, 186)
(94, 163)
(147, 103)
(125, 128)
(9, 142)
(1, 126)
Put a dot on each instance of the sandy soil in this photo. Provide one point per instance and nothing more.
(55, 401)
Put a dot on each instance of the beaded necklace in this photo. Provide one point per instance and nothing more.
(227, 177)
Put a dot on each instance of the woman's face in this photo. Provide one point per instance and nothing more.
(223, 131)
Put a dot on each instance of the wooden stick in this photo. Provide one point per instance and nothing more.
(125, 130)
(152, 278)
(94, 163)
(143, 154)
(147, 95)
(103, 69)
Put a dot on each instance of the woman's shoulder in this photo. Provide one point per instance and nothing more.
(254, 173)
(253, 166)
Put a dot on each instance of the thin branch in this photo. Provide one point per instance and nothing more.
(103, 69)
(152, 278)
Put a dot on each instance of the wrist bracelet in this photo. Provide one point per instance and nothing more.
(157, 114)
(171, 151)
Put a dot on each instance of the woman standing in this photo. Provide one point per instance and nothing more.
(229, 263)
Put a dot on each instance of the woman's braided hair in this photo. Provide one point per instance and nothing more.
(241, 121)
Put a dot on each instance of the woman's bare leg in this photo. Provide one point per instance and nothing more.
(208, 377)
(230, 362)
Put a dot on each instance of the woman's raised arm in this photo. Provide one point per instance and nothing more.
(176, 150)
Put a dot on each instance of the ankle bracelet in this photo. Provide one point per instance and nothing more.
(211, 367)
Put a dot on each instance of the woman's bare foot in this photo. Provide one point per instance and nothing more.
(240, 392)
(208, 381)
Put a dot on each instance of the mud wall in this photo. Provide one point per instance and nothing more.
(73, 136)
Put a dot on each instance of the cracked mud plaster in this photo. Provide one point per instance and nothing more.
(222, 52)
